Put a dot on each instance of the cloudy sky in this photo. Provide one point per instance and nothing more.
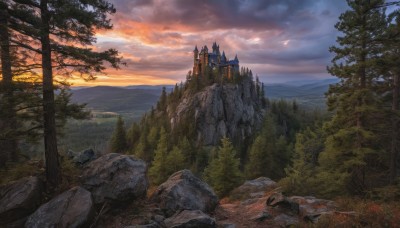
(280, 40)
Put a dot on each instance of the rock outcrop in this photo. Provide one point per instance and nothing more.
(188, 219)
(116, 178)
(184, 191)
(73, 208)
(85, 156)
(228, 110)
(294, 208)
(19, 199)
(253, 188)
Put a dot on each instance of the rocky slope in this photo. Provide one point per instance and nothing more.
(116, 197)
(228, 110)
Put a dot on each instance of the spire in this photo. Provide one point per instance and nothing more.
(195, 49)
(223, 57)
(214, 45)
(236, 58)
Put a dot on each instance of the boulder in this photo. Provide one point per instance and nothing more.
(150, 225)
(19, 199)
(253, 188)
(311, 208)
(284, 220)
(116, 178)
(261, 216)
(84, 157)
(226, 225)
(310, 205)
(184, 191)
(73, 208)
(283, 204)
(188, 218)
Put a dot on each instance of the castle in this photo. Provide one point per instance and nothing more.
(214, 60)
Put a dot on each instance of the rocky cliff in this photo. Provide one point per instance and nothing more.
(229, 110)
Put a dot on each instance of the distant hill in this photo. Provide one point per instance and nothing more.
(117, 99)
(309, 94)
(139, 98)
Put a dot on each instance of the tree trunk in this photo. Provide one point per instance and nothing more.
(395, 132)
(53, 172)
(8, 141)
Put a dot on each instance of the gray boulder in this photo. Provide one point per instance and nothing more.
(184, 191)
(283, 204)
(116, 178)
(253, 188)
(84, 157)
(188, 219)
(284, 220)
(73, 208)
(19, 199)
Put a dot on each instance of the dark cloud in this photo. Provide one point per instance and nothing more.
(273, 37)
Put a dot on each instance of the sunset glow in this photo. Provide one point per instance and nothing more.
(278, 40)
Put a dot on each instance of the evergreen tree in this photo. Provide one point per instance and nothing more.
(352, 140)
(259, 159)
(187, 150)
(67, 23)
(281, 157)
(223, 173)
(162, 102)
(175, 161)
(118, 138)
(8, 142)
(300, 177)
(133, 136)
(390, 67)
(159, 169)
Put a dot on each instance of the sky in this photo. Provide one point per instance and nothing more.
(279, 40)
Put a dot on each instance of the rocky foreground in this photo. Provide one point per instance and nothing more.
(114, 193)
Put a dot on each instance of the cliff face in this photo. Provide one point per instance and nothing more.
(229, 110)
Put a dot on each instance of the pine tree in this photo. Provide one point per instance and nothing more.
(262, 151)
(133, 136)
(158, 171)
(223, 173)
(175, 161)
(8, 142)
(351, 137)
(68, 23)
(390, 65)
(118, 138)
(300, 177)
(259, 159)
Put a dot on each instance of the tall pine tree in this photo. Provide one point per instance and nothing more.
(118, 138)
(223, 173)
(352, 140)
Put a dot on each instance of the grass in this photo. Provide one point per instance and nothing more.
(368, 213)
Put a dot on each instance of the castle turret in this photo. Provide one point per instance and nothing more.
(195, 54)
(214, 48)
(223, 57)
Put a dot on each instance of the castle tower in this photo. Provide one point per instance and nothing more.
(223, 57)
(195, 54)
(195, 61)
(214, 48)
(205, 57)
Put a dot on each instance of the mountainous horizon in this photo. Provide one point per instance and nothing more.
(140, 98)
